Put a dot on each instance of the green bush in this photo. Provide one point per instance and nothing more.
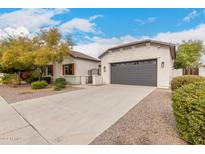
(47, 79)
(6, 79)
(179, 81)
(60, 83)
(31, 79)
(189, 111)
(39, 84)
(11, 79)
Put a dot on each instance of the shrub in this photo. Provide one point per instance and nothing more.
(60, 83)
(189, 111)
(31, 79)
(47, 79)
(39, 84)
(6, 79)
(179, 81)
(11, 79)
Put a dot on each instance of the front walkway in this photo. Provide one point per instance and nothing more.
(78, 117)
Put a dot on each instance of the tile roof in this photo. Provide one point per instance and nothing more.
(81, 55)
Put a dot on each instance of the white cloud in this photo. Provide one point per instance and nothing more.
(190, 16)
(32, 19)
(9, 31)
(78, 24)
(99, 45)
(95, 17)
(177, 37)
(146, 21)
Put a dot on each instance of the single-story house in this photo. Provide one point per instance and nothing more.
(76, 69)
(147, 62)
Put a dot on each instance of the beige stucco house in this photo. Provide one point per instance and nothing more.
(76, 69)
(146, 62)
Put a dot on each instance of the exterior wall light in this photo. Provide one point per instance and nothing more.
(162, 64)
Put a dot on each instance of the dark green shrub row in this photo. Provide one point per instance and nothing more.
(31, 79)
(47, 79)
(179, 81)
(60, 83)
(189, 111)
(39, 84)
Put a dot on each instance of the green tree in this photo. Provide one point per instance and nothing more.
(16, 55)
(189, 55)
(49, 48)
(20, 54)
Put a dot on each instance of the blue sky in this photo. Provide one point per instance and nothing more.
(95, 30)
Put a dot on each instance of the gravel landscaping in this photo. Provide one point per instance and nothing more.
(149, 122)
(24, 92)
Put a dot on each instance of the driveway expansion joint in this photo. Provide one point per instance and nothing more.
(29, 124)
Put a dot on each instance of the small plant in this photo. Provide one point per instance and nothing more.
(179, 81)
(189, 111)
(6, 79)
(60, 83)
(39, 84)
(11, 79)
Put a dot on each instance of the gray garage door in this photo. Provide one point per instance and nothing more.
(135, 73)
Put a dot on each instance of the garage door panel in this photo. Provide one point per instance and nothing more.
(135, 73)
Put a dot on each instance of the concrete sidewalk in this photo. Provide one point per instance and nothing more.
(78, 117)
(14, 129)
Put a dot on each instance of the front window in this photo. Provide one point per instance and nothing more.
(68, 69)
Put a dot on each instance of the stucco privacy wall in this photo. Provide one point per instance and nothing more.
(179, 72)
(81, 69)
(202, 71)
(176, 72)
(141, 52)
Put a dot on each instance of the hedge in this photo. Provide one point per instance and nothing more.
(31, 79)
(60, 83)
(189, 111)
(179, 81)
(47, 79)
(39, 84)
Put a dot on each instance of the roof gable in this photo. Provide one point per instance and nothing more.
(169, 45)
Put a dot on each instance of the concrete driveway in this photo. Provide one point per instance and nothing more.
(80, 116)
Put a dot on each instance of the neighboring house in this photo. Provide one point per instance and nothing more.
(147, 62)
(75, 69)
